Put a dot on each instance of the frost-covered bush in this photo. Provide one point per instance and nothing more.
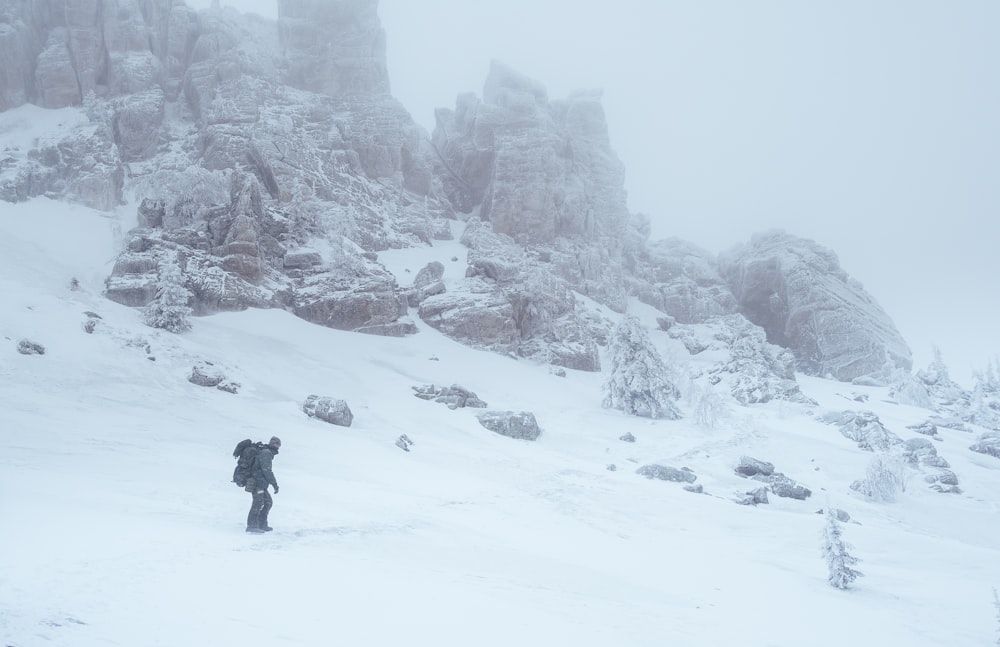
(708, 406)
(835, 551)
(640, 384)
(884, 480)
(169, 310)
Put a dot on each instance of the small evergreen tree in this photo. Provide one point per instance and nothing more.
(996, 604)
(838, 560)
(640, 383)
(169, 310)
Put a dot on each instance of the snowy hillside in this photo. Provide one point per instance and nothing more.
(120, 525)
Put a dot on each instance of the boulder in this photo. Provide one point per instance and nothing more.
(331, 410)
(988, 443)
(28, 347)
(513, 424)
(455, 397)
(796, 291)
(864, 428)
(753, 497)
(784, 486)
(751, 467)
(206, 375)
(666, 473)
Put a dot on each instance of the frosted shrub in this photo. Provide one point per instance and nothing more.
(835, 551)
(708, 406)
(885, 478)
(169, 310)
(640, 383)
(996, 605)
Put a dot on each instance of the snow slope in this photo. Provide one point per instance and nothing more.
(120, 525)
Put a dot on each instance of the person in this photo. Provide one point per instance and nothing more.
(262, 476)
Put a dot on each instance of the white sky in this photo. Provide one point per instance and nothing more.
(870, 127)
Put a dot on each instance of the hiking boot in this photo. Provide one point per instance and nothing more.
(255, 530)
(267, 529)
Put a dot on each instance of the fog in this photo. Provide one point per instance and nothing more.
(869, 127)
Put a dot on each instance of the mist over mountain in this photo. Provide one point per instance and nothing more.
(242, 204)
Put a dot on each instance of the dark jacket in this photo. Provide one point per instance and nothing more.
(261, 473)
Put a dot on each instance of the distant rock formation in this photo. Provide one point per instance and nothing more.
(796, 291)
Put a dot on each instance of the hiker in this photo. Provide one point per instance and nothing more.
(260, 477)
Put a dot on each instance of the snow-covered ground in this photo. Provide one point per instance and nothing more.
(120, 525)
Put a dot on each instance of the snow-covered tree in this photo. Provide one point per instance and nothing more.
(838, 560)
(708, 406)
(169, 310)
(640, 384)
(885, 478)
(996, 604)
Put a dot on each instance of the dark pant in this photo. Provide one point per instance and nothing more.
(259, 508)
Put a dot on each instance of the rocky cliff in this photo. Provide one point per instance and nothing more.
(270, 161)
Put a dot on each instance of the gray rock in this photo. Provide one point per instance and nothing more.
(840, 515)
(757, 496)
(404, 443)
(988, 443)
(331, 410)
(229, 386)
(683, 280)
(696, 488)
(796, 291)
(920, 452)
(666, 473)
(334, 47)
(455, 397)
(28, 347)
(513, 424)
(627, 437)
(927, 428)
(206, 375)
(784, 486)
(863, 427)
(751, 467)
(430, 274)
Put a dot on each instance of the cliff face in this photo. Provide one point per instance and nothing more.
(271, 162)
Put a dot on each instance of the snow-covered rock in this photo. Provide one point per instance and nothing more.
(520, 425)
(667, 473)
(864, 428)
(797, 292)
(331, 410)
(454, 396)
(988, 443)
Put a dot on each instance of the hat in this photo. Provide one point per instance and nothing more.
(275, 441)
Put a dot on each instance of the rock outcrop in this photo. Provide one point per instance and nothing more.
(520, 425)
(796, 291)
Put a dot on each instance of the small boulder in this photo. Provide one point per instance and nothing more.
(753, 497)
(206, 375)
(751, 467)
(331, 410)
(628, 437)
(513, 424)
(665, 473)
(988, 443)
(404, 442)
(28, 347)
(783, 486)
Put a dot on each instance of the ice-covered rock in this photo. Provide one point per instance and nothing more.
(796, 291)
(667, 473)
(331, 410)
(751, 467)
(520, 425)
(682, 280)
(864, 428)
(988, 443)
(454, 396)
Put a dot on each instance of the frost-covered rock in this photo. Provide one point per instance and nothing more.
(921, 453)
(682, 280)
(864, 428)
(756, 496)
(988, 443)
(627, 437)
(206, 375)
(756, 370)
(542, 172)
(28, 347)
(520, 425)
(331, 410)
(667, 473)
(454, 396)
(784, 486)
(751, 467)
(796, 291)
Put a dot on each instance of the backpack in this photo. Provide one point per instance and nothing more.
(245, 454)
